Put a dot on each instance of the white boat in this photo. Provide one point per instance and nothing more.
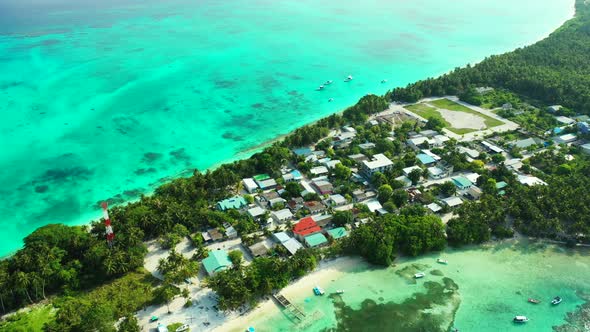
(331, 99)
(328, 82)
(340, 291)
(556, 300)
(317, 290)
(383, 81)
(520, 319)
(182, 328)
(349, 78)
(321, 87)
(419, 275)
(442, 261)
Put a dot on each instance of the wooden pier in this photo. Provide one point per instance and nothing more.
(292, 309)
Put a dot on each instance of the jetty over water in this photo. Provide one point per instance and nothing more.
(292, 309)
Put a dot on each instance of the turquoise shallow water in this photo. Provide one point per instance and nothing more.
(494, 283)
(107, 100)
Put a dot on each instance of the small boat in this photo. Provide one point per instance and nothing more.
(442, 261)
(317, 290)
(340, 291)
(154, 318)
(251, 329)
(321, 87)
(182, 328)
(520, 319)
(331, 99)
(348, 79)
(383, 81)
(556, 300)
(535, 301)
(328, 82)
(419, 275)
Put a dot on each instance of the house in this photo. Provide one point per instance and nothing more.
(256, 212)
(374, 122)
(367, 146)
(429, 133)
(358, 158)
(439, 140)
(409, 170)
(586, 148)
(281, 216)
(529, 180)
(281, 237)
(348, 129)
(343, 139)
(425, 159)
(360, 195)
(330, 164)
(337, 200)
(452, 201)
(294, 175)
(267, 184)
(554, 108)
(276, 201)
(471, 177)
(305, 227)
(315, 240)
(215, 234)
(525, 143)
(373, 205)
(258, 249)
(564, 139)
(474, 192)
(565, 120)
(584, 127)
(315, 207)
(471, 153)
(405, 180)
(206, 236)
(513, 164)
(337, 233)
(218, 260)
(307, 188)
(302, 152)
(250, 185)
(292, 245)
(319, 170)
(418, 141)
(380, 163)
(491, 148)
(230, 231)
(500, 187)
(462, 182)
(236, 203)
(436, 173)
(482, 90)
(434, 207)
(322, 219)
(582, 118)
(507, 107)
(324, 187)
(268, 196)
(296, 203)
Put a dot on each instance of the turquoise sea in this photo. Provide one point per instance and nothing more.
(107, 99)
(481, 289)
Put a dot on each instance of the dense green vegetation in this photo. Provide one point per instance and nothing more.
(32, 320)
(553, 71)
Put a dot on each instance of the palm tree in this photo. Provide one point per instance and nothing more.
(22, 282)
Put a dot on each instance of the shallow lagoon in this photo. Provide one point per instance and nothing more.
(481, 289)
(105, 100)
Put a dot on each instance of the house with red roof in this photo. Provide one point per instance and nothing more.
(306, 226)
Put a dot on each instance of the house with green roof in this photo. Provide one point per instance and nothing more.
(218, 260)
(500, 187)
(462, 182)
(338, 232)
(315, 240)
(236, 203)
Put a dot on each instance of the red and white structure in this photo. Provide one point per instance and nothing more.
(107, 222)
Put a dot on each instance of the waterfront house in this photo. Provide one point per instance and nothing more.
(281, 216)
(250, 185)
(315, 240)
(379, 163)
(218, 260)
(292, 245)
(305, 227)
(236, 203)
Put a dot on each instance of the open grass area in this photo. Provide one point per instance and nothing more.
(32, 320)
(453, 106)
(426, 112)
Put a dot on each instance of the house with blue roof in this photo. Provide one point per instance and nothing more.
(462, 182)
(218, 260)
(425, 159)
(235, 203)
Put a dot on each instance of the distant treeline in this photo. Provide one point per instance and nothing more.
(555, 70)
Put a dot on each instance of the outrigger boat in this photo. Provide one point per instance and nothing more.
(340, 291)
(182, 328)
(442, 261)
(317, 290)
(321, 87)
(535, 301)
(556, 300)
(328, 82)
(520, 319)
(348, 79)
(419, 275)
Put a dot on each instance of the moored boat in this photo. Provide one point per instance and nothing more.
(317, 290)
(182, 328)
(348, 79)
(535, 301)
(556, 300)
(419, 275)
(340, 291)
(328, 82)
(442, 261)
(520, 319)
(321, 87)
(383, 81)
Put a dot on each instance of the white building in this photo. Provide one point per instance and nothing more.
(436, 173)
(256, 212)
(409, 170)
(564, 139)
(250, 185)
(307, 188)
(292, 245)
(380, 163)
(373, 205)
(337, 200)
(452, 201)
(530, 181)
(282, 216)
(319, 170)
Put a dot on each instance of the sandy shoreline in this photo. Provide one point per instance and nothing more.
(326, 272)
